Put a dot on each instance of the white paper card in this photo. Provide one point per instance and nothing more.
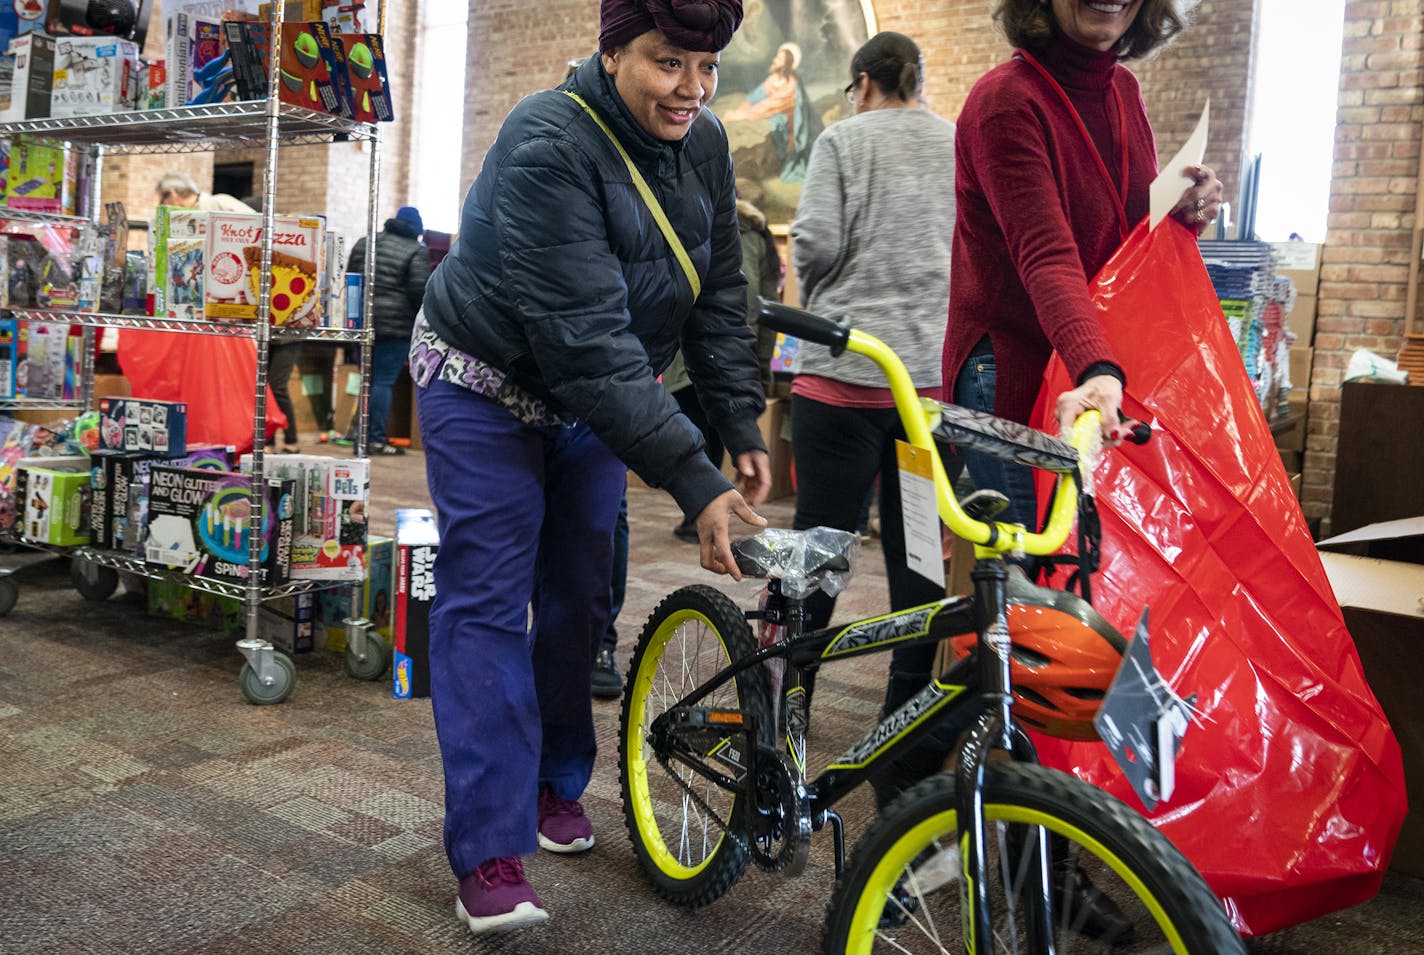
(920, 512)
(1170, 183)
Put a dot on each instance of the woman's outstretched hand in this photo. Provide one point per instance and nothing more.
(714, 531)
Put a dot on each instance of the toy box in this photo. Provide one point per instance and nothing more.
(355, 300)
(19, 17)
(328, 513)
(231, 283)
(38, 178)
(120, 489)
(333, 605)
(56, 505)
(179, 242)
(198, 523)
(289, 623)
(417, 541)
(32, 75)
(138, 424)
(9, 355)
(308, 68)
(362, 64)
(94, 75)
(124, 19)
(44, 352)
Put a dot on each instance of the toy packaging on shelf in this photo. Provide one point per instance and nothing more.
(362, 67)
(94, 75)
(198, 523)
(138, 424)
(177, 601)
(334, 603)
(40, 177)
(31, 65)
(355, 317)
(9, 355)
(122, 19)
(328, 513)
(417, 541)
(192, 41)
(56, 502)
(333, 290)
(233, 259)
(23, 443)
(120, 485)
(178, 240)
(44, 367)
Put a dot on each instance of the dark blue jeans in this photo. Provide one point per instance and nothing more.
(974, 388)
(526, 518)
(620, 573)
(388, 357)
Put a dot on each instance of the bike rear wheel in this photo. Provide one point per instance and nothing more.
(681, 837)
(902, 890)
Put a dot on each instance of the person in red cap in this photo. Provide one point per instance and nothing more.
(536, 360)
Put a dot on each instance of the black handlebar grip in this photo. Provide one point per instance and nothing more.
(1141, 433)
(802, 324)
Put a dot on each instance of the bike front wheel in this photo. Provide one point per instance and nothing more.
(689, 834)
(1117, 884)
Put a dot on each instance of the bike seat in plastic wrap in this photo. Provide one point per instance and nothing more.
(804, 561)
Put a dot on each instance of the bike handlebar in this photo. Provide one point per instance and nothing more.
(918, 416)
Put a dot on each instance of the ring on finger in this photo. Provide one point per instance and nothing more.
(1201, 215)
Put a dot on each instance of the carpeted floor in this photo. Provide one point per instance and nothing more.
(146, 808)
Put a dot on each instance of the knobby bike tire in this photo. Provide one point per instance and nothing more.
(689, 859)
(879, 906)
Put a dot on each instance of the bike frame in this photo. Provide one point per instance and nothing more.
(973, 693)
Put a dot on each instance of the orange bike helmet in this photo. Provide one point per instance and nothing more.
(1063, 659)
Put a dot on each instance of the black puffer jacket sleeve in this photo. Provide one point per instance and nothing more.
(716, 338)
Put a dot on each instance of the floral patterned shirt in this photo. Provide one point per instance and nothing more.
(431, 357)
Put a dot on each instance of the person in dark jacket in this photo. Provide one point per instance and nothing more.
(402, 269)
(536, 362)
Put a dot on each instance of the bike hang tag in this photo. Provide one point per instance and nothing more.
(1142, 721)
(920, 512)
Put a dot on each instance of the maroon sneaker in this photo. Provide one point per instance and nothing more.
(562, 825)
(497, 897)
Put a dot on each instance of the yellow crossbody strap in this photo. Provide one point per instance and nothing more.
(647, 193)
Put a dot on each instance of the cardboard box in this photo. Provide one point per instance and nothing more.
(417, 541)
(1300, 262)
(179, 242)
(94, 75)
(175, 600)
(138, 424)
(329, 514)
(198, 523)
(289, 623)
(334, 604)
(32, 79)
(361, 77)
(1380, 588)
(1301, 319)
(1301, 359)
(232, 264)
(56, 505)
(1290, 431)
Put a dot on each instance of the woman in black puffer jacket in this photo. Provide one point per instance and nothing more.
(536, 362)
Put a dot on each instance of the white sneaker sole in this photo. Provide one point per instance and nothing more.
(578, 845)
(525, 913)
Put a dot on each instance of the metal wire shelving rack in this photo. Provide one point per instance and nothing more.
(267, 676)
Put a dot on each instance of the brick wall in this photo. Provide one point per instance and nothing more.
(513, 53)
(1365, 271)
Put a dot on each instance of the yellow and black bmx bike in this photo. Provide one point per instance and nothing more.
(996, 855)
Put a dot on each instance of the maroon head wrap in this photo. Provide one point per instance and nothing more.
(702, 25)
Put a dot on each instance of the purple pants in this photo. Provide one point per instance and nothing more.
(526, 518)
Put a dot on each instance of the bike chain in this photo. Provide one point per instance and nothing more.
(739, 838)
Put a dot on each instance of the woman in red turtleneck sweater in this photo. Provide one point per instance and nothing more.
(1054, 156)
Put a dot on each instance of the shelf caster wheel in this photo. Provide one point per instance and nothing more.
(373, 665)
(283, 673)
(93, 581)
(9, 593)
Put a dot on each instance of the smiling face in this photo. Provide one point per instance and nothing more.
(663, 86)
(1098, 24)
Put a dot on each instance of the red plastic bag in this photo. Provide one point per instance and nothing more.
(215, 374)
(1290, 787)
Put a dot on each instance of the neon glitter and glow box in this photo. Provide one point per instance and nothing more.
(198, 523)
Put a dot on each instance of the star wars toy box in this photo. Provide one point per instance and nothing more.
(94, 75)
(198, 522)
(178, 240)
(417, 541)
(138, 424)
(233, 268)
(328, 514)
(56, 503)
(333, 605)
(119, 480)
